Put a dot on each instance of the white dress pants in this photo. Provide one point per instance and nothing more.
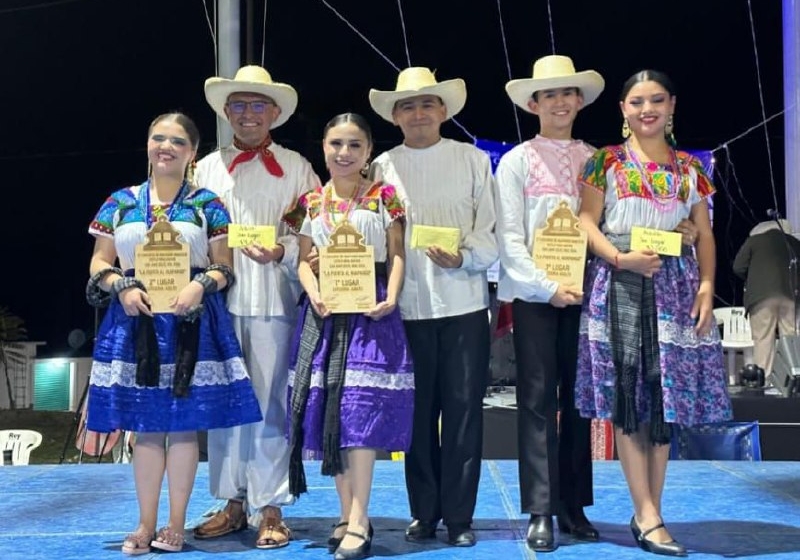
(252, 461)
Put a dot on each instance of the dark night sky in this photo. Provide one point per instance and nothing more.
(83, 79)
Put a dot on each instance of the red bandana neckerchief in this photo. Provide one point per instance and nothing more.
(267, 157)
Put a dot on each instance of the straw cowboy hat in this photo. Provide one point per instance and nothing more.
(415, 81)
(553, 72)
(251, 79)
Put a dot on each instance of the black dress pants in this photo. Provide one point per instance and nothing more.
(451, 370)
(555, 466)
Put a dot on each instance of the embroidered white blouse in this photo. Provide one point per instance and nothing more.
(533, 178)
(449, 184)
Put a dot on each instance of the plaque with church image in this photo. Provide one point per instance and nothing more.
(559, 248)
(162, 264)
(347, 272)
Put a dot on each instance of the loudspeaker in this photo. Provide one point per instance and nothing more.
(785, 374)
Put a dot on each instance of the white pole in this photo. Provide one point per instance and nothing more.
(228, 55)
(791, 102)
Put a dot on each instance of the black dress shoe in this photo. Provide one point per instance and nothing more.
(575, 523)
(671, 548)
(460, 535)
(359, 552)
(421, 530)
(333, 540)
(540, 534)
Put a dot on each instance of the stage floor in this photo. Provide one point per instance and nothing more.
(717, 509)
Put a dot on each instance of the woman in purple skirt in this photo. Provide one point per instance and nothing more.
(351, 378)
(649, 351)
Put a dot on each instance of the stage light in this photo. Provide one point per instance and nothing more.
(752, 377)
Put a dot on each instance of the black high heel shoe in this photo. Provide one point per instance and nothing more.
(671, 548)
(333, 540)
(359, 552)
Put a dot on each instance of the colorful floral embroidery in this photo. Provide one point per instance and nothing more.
(594, 172)
(294, 217)
(121, 208)
(659, 183)
(310, 204)
(392, 202)
(704, 185)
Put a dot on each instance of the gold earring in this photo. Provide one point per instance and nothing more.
(626, 128)
(365, 170)
(189, 175)
(669, 129)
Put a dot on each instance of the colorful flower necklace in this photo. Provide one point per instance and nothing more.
(343, 207)
(646, 170)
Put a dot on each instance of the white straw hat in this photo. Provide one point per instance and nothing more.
(415, 81)
(553, 72)
(251, 79)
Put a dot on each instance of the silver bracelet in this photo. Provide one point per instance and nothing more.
(209, 284)
(96, 296)
(126, 282)
(225, 270)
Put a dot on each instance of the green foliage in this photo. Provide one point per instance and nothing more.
(12, 329)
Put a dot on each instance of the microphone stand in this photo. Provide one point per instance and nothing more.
(792, 271)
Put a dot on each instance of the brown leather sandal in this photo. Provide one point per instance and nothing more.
(272, 532)
(221, 523)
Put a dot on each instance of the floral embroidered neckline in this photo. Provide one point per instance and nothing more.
(342, 207)
(647, 169)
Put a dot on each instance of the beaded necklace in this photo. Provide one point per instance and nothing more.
(343, 207)
(665, 200)
(151, 214)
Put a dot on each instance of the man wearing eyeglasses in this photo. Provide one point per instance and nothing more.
(259, 181)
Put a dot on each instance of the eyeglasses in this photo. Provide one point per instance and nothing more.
(174, 140)
(239, 107)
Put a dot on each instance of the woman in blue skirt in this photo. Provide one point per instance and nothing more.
(351, 378)
(165, 375)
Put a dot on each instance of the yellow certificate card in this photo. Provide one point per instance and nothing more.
(662, 242)
(245, 235)
(447, 238)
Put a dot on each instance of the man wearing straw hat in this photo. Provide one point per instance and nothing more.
(448, 185)
(259, 181)
(533, 179)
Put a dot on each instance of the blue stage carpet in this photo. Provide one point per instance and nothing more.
(717, 509)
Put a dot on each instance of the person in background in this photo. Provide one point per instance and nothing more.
(258, 180)
(445, 298)
(151, 375)
(771, 286)
(366, 399)
(649, 353)
(533, 179)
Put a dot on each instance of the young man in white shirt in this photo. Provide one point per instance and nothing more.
(533, 179)
(445, 298)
